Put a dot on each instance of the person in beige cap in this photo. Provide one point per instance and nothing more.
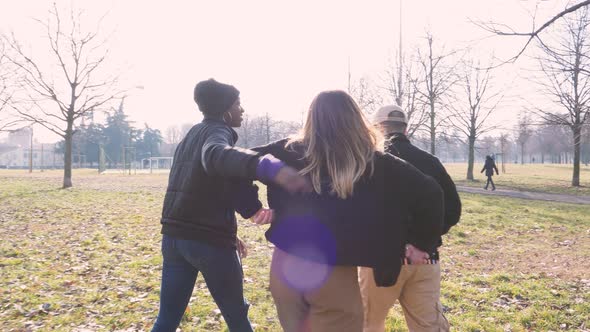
(418, 285)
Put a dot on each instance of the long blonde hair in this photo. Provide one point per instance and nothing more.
(339, 140)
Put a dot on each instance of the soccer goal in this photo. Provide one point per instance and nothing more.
(156, 164)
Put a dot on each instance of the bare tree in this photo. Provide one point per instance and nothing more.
(260, 130)
(254, 132)
(586, 145)
(173, 135)
(536, 30)
(565, 64)
(7, 120)
(366, 95)
(504, 149)
(401, 86)
(244, 131)
(184, 129)
(523, 133)
(471, 118)
(395, 79)
(438, 77)
(268, 123)
(56, 97)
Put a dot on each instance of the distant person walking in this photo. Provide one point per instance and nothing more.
(489, 167)
(198, 218)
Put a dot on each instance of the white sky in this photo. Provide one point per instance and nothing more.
(279, 54)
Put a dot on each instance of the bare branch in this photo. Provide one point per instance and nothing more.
(534, 34)
(437, 79)
(85, 85)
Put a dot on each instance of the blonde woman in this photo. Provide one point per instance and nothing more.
(358, 215)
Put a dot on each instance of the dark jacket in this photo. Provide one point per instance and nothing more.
(489, 167)
(201, 198)
(367, 229)
(399, 145)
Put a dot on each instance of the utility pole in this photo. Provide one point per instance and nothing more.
(399, 74)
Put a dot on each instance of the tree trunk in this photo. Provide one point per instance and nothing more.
(432, 130)
(522, 154)
(68, 156)
(471, 160)
(576, 176)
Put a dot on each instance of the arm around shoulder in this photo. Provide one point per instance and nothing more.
(219, 156)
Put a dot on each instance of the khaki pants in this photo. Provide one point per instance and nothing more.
(418, 291)
(328, 301)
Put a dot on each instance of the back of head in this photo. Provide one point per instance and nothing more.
(214, 98)
(338, 141)
(391, 119)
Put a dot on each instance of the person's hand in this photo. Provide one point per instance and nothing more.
(242, 250)
(292, 181)
(263, 216)
(416, 256)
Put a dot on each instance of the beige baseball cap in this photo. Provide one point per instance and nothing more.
(392, 113)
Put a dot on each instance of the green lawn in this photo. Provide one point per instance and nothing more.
(88, 258)
(531, 177)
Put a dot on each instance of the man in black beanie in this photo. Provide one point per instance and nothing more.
(215, 98)
(198, 218)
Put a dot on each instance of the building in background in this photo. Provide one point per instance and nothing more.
(14, 152)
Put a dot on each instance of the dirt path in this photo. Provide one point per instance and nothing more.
(564, 198)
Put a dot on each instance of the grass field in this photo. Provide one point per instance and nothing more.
(87, 259)
(532, 177)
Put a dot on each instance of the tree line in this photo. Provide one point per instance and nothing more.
(449, 97)
(120, 141)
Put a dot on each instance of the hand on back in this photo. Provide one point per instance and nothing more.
(416, 256)
(263, 216)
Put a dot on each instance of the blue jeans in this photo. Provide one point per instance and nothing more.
(221, 268)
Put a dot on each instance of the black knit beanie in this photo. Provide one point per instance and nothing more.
(215, 98)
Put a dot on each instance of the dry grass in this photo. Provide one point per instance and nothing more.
(87, 259)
